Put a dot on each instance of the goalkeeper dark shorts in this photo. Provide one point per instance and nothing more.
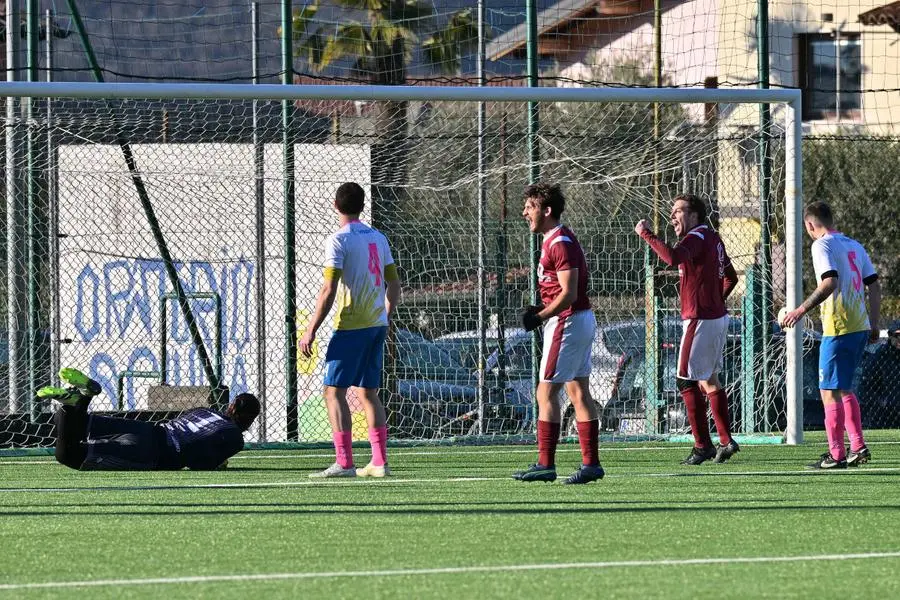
(123, 445)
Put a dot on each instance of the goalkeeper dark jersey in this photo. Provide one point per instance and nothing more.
(203, 439)
(200, 439)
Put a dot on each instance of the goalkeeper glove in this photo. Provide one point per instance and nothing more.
(530, 318)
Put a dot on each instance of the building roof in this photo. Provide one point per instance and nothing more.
(889, 14)
(556, 23)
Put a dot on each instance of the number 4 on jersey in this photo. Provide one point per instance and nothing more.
(375, 263)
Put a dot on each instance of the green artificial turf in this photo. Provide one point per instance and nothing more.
(284, 536)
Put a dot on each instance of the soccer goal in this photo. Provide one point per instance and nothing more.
(167, 239)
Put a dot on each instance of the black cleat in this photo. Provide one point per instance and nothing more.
(827, 462)
(536, 472)
(723, 453)
(860, 457)
(700, 455)
(586, 474)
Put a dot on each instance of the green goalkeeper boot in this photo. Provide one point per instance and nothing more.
(78, 380)
(66, 396)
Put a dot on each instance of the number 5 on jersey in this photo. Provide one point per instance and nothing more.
(857, 276)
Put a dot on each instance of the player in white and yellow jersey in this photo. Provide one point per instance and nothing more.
(360, 273)
(844, 272)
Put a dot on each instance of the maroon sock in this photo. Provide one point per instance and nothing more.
(695, 403)
(588, 432)
(547, 437)
(718, 402)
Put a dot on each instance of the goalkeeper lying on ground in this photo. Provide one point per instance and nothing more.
(200, 439)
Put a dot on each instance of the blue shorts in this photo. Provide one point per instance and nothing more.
(354, 358)
(838, 358)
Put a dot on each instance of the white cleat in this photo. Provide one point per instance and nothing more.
(371, 470)
(334, 470)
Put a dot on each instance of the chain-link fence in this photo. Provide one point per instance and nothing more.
(85, 284)
(106, 302)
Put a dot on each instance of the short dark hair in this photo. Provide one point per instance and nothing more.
(550, 196)
(695, 205)
(350, 198)
(821, 212)
(244, 410)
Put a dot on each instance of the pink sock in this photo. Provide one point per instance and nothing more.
(834, 427)
(378, 439)
(853, 421)
(343, 448)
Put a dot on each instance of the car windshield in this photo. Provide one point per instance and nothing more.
(620, 338)
(636, 371)
(464, 350)
(419, 357)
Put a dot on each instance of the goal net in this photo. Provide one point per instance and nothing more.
(105, 182)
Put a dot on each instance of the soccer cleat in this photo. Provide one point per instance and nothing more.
(334, 470)
(859, 457)
(59, 394)
(371, 470)
(536, 472)
(699, 455)
(585, 474)
(84, 384)
(826, 461)
(723, 453)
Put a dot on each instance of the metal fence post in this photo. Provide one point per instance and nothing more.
(534, 169)
(259, 193)
(482, 242)
(290, 267)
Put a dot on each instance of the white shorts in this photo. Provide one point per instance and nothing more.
(702, 346)
(567, 347)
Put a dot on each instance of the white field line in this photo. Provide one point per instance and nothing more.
(401, 452)
(623, 564)
(393, 480)
(261, 484)
(393, 451)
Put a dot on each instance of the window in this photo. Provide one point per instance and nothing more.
(831, 76)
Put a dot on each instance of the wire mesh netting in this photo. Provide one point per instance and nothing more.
(105, 302)
(214, 173)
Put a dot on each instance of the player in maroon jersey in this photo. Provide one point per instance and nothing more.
(706, 279)
(569, 325)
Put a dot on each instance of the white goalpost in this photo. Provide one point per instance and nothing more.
(242, 206)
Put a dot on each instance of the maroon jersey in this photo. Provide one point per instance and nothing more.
(706, 273)
(562, 252)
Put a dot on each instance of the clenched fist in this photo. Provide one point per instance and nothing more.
(642, 226)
